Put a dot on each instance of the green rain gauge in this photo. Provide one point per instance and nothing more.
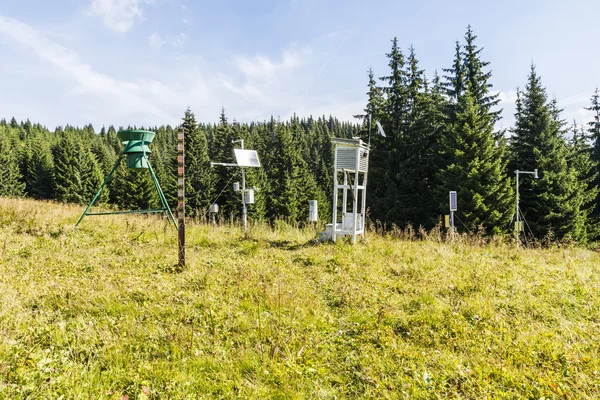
(136, 144)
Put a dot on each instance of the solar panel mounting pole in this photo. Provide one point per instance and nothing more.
(244, 206)
(181, 196)
(245, 159)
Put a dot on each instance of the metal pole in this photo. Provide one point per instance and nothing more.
(363, 204)
(335, 196)
(369, 130)
(355, 195)
(181, 196)
(244, 208)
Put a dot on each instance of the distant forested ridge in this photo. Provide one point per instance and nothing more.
(442, 135)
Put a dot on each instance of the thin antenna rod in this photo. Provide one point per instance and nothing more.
(369, 130)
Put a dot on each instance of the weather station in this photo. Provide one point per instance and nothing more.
(245, 159)
(351, 167)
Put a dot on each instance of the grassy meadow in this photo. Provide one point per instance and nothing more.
(101, 313)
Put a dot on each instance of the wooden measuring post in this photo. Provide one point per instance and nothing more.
(181, 196)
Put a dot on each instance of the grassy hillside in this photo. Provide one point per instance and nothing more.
(101, 313)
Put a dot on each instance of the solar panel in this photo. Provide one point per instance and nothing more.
(246, 158)
(453, 201)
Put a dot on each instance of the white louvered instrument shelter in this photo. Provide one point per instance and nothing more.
(351, 166)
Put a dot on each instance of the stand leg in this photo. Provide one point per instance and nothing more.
(161, 195)
(108, 177)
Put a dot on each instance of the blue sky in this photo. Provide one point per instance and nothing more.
(143, 62)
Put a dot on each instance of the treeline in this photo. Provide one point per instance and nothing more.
(441, 135)
(69, 165)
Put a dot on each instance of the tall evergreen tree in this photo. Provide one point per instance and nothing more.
(11, 183)
(221, 150)
(585, 224)
(476, 167)
(455, 80)
(593, 133)
(78, 175)
(291, 181)
(477, 78)
(41, 171)
(375, 103)
(91, 175)
(68, 174)
(395, 91)
(473, 153)
(538, 142)
(199, 174)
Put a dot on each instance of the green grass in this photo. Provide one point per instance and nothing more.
(102, 313)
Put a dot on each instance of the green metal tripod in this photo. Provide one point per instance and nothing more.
(137, 158)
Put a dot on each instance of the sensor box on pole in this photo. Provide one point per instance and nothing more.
(313, 211)
(453, 207)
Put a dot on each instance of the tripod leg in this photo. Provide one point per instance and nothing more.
(106, 180)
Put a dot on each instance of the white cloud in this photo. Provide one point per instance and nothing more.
(280, 87)
(156, 41)
(262, 66)
(119, 15)
(177, 40)
(507, 97)
(575, 100)
(574, 108)
(249, 87)
(149, 100)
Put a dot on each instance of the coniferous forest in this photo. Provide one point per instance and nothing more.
(442, 135)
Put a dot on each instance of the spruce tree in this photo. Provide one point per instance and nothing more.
(199, 174)
(68, 174)
(164, 162)
(585, 224)
(91, 175)
(11, 183)
(77, 173)
(41, 171)
(538, 142)
(455, 80)
(476, 168)
(477, 78)
(593, 133)
(404, 168)
(221, 150)
(395, 91)
(421, 159)
(375, 103)
(292, 183)
(473, 153)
